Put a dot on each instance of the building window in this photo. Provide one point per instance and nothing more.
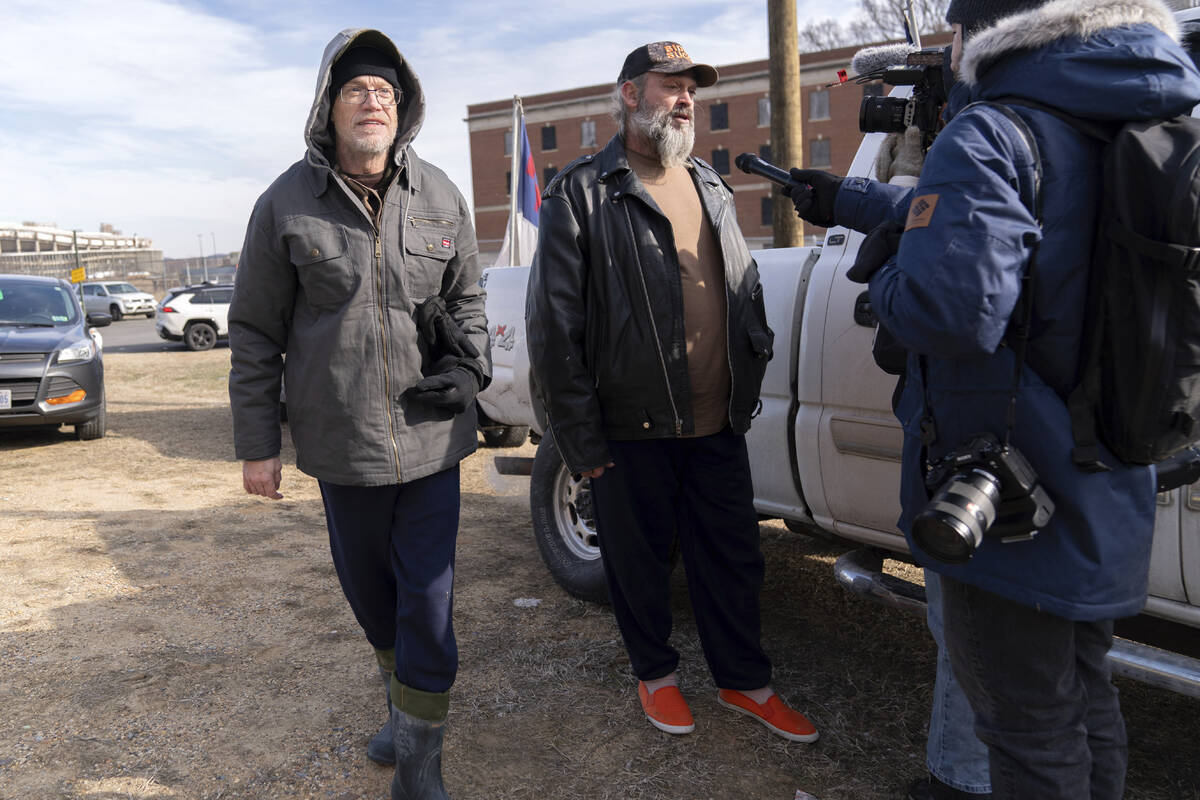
(508, 184)
(587, 133)
(549, 138)
(508, 143)
(818, 105)
(718, 113)
(548, 175)
(767, 210)
(818, 153)
(720, 161)
(873, 89)
(764, 152)
(764, 112)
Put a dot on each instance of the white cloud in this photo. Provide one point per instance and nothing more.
(168, 119)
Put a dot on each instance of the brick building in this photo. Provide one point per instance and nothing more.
(732, 117)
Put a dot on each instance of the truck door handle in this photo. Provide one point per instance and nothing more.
(863, 313)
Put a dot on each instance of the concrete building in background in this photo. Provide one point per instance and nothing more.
(40, 248)
(732, 117)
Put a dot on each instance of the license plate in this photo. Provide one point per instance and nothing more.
(5, 398)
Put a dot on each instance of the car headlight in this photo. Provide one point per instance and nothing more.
(82, 350)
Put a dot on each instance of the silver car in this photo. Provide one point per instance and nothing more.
(116, 298)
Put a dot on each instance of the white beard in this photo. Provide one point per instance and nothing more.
(673, 145)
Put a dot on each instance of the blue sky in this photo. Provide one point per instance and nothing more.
(167, 118)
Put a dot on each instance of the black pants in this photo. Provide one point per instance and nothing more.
(393, 548)
(699, 489)
(1044, 701)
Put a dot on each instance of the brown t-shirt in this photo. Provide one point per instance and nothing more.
(702, 275)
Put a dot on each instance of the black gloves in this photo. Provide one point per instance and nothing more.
(440, 333)
(813, 192)
(452, 387)
(878, 246)
(452, 377)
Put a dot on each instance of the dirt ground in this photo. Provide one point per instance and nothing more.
(164, 635)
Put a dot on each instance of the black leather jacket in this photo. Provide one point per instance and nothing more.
(604, 313)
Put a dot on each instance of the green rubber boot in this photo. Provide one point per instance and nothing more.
(379, 749)
(418, 727)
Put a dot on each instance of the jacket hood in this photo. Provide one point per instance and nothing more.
(1106, 59)
(409, 114)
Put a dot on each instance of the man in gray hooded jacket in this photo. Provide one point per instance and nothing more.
(360, 265)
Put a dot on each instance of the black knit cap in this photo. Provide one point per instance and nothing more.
(363, 61)
(975, 15)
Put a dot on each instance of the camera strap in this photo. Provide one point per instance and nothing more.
(1021, 322)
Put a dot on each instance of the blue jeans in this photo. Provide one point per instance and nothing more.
(1042, 694)
(953, 753)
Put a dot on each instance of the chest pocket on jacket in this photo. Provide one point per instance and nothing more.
(429, 244)
(318, 251)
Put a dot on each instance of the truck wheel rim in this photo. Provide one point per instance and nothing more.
(573, 515)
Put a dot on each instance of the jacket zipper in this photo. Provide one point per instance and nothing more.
(387, 375)
(728, 304)
(443, 222)
(650, 313)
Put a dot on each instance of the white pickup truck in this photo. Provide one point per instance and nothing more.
(824, 451)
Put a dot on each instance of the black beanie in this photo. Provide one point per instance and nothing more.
(975, 15)
(363, 61)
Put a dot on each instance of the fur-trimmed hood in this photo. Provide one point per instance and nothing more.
(1059, 20)
(1095, 59)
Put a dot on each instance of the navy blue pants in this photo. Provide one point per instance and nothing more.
(393, 548)
(699, 488)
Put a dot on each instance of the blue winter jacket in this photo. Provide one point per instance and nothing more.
(950, 291)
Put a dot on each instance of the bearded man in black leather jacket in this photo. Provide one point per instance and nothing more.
(648, 340)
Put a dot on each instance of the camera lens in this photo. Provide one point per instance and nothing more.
(884, 114)
(952, 525)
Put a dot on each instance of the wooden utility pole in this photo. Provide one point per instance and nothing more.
(786, 134)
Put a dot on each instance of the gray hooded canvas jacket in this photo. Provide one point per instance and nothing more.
(319, 282)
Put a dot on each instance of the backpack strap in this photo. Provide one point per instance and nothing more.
(1031, 197)
(1104, 131)
(1085, 397)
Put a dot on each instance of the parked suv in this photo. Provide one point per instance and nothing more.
(116, 298)
(196, 315)
(51, 372)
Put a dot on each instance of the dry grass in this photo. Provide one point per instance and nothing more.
(164, 636)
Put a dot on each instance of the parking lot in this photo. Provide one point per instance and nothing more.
(164, 635)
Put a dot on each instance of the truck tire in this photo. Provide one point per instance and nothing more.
(565, 526)
(199, 336)
(505, 435)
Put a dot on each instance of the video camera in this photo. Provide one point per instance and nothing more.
(924, 70)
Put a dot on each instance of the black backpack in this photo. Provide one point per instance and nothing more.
(1138, 387)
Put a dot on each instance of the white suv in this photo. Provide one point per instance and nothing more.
(196, 315)
(117, 298)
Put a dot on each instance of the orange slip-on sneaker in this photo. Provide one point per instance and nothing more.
(666, 709)
(778, 718)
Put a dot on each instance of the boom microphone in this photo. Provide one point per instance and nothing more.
(870, 60)
(752, 164)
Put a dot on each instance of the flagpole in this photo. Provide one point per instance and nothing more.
(514, 182)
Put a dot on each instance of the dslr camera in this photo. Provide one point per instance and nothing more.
(924, 70)
(981, 489)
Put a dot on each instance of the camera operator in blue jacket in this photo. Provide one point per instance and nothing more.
(1028, 623)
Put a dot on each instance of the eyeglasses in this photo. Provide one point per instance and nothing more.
(357, 95)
